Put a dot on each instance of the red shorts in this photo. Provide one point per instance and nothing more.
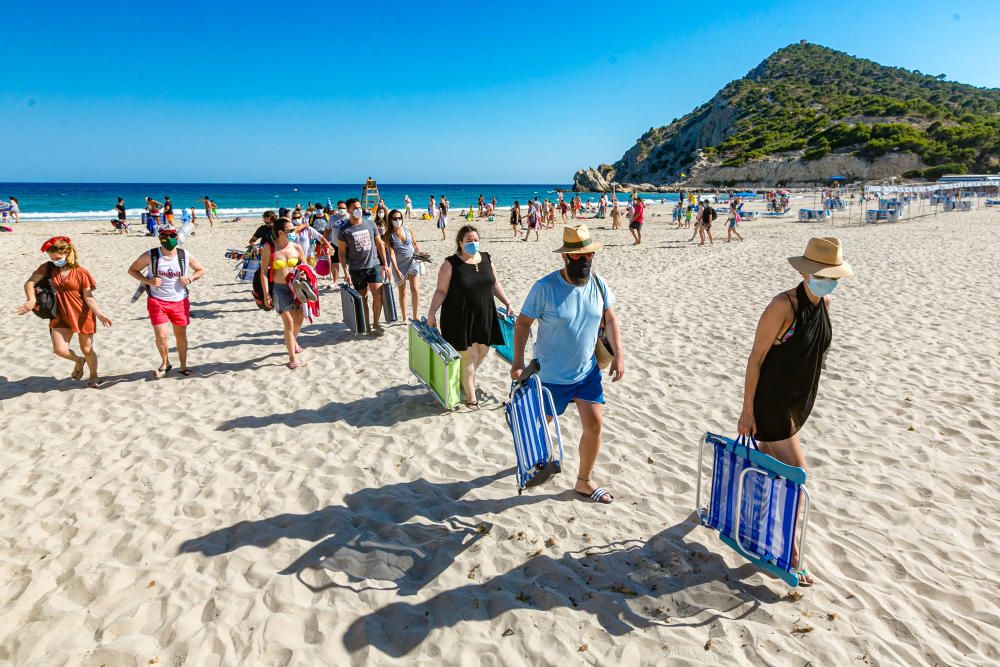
(177, 313)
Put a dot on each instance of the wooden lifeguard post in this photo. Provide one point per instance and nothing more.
(369, 195)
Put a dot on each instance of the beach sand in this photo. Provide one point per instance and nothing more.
(186, 521)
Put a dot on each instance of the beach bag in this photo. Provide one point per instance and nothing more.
(257, 289)
(602, 349)
(46, 306)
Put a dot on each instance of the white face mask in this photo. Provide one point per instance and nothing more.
(380, 215)
(356, 214)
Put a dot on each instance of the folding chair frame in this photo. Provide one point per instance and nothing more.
(778, 469)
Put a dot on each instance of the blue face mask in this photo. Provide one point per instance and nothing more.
(292, 237)
(59, 262)
(470, 247)
(822, 286)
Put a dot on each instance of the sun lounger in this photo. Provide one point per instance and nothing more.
(754, 504)
(813, 215)
(435, 363)
(993, 202)
(527, 411)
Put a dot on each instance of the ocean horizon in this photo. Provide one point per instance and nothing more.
(96, 201)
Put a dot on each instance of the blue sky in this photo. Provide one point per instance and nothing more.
(501, 92)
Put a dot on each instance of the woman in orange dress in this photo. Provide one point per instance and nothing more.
(77, 309)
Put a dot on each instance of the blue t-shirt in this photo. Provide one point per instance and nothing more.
(568, 319)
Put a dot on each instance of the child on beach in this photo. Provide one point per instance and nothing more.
(77, 311)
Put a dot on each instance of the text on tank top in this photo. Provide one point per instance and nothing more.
(168, 270)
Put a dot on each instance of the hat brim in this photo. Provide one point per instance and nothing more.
(820, 270)
(593, 246)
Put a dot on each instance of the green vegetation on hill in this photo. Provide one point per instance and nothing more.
(816, 100)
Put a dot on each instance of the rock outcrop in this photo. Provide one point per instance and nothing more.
(590, 180)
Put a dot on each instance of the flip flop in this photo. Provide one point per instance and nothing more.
(94, 383)
(805, 579)
(598, 496)
(292, 365)
(298, 350)
(186, 372)
(161, 371)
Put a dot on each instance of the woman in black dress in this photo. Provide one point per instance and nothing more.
(789, 348)
(466, 286)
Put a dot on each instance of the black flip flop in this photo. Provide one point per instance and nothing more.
(161, 372)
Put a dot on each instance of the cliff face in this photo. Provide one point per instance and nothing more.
(807, 113)
(791, 171)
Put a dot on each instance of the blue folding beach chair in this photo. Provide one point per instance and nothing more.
(527, 411)
(506, 350)
(754, 504)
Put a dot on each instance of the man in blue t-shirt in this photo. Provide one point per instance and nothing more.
(569, 305)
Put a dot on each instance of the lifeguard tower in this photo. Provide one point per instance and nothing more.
(369, 195)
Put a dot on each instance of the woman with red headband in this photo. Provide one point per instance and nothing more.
(77, 309)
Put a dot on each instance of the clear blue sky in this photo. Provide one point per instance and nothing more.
(503, 92)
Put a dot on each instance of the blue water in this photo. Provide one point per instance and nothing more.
(93, 201)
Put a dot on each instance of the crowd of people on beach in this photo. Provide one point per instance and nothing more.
(573, 308)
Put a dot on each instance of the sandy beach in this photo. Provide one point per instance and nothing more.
(215, 520)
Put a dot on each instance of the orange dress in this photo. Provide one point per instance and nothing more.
(74, 314)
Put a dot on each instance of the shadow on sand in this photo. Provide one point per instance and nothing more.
(388, 407)
(600, 581)
(371, 537)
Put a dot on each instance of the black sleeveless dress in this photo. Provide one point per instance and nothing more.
(468, 314)
(789, 376)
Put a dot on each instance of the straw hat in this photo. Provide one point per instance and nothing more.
(823, 258)
(576, 239)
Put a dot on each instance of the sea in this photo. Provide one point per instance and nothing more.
(96, 201)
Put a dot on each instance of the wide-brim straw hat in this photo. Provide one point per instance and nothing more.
(577, 239)
(823, 258)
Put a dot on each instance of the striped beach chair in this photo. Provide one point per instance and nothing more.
(527, 411)
(754, 504)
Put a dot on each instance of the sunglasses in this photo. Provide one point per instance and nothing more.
(578, 255)
(396, 219)
(168, 232)
(54, 240)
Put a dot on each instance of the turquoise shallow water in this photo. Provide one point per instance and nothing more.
(89, 201)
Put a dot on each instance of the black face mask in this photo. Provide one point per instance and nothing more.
(578, 269)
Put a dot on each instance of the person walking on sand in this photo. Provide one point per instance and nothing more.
(732, 222)
(362, 256)
(278, 259)
(534, 219)
(466, 287)
(208, 211)
(442, 221)
(15, 209)
(77, 311)
(570, 305)
(432, 208)
(400, 247)
(616, 215)
(407, 207)
(515, 218)
(635, 226)
(788, 356)
(705, 217)
(167, 296)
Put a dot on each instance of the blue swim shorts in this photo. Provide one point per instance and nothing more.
(589, 389)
